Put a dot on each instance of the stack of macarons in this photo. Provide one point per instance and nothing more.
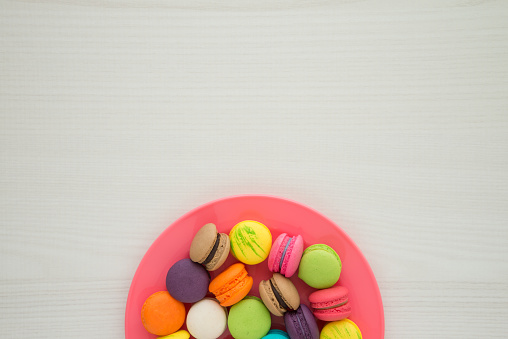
(224, 302)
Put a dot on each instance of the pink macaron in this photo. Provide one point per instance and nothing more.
(330, 304)
(285, 254)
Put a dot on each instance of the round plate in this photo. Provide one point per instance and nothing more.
(280, 216)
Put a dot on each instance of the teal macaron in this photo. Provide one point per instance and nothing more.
(320, 266)
(249, 319)
(276, 334)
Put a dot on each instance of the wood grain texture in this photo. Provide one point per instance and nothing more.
(390, 117)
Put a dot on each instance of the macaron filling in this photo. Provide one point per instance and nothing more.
(281, 301)
(284, 253)
(334, 304)
(289, 257)
(213, 251)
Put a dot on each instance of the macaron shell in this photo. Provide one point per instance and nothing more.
(249, 319)
(329, 297)
(221, 255)
(230, 275)
(287, 290)
(301, 324)
(276, 334)
(232, 285)
(237, 293)
(206, 319)
(251, 242)
(268, 297)
(162, 314)
(333, 314)
(322, 247)
(286, 247)
(342, 329)
(311, 322)
(203, 242)
(293, 257)
(320, 266)
(276, 253)
(182, 334)
(187, 281)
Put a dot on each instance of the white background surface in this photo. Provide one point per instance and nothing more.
(389, 117)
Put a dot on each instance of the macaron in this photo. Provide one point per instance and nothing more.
(330, 304)
(320, 266)
(250, 242)
(162, 314)
(232, 285)
(301, 324)
(342, 329)
(285, 254)
(206, 319)
(279, 294)
(182, 334)
(187, 281)
(276, 334)
(210, 248)
(249, 319)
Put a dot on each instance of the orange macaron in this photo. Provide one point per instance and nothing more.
(232, 285)
(162, 314)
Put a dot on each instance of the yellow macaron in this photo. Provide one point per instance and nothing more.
(251, 242)
(182, 334)
(342, 329)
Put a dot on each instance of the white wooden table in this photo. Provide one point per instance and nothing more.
(118, 116)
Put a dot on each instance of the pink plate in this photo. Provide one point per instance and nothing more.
(280, 215)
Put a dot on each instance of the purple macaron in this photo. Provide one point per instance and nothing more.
(301, 324)
(187, 281)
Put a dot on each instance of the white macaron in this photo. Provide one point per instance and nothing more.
(206, 319)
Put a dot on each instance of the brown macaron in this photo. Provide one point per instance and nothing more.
(209, 248)
(279, 294)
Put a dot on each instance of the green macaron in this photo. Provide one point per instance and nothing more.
(249, 319)
(320, 266)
